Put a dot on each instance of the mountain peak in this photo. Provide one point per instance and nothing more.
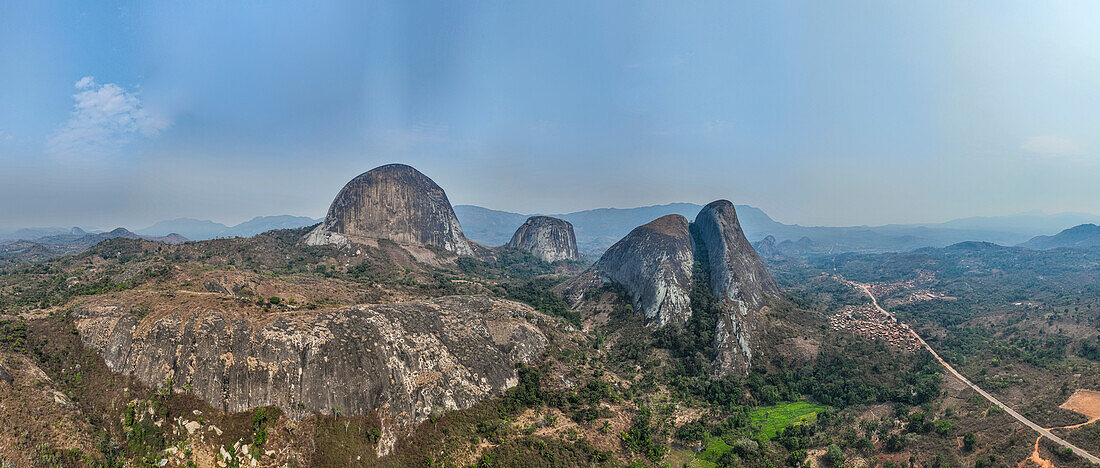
(395, 202)
(1082, 235)
(550, 239)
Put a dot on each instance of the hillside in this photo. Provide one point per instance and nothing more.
(384, 337)
(270, 279)
(1085, 235)
(602, 374)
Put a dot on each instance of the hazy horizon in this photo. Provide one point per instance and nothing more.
(129, 113)
(234, 222)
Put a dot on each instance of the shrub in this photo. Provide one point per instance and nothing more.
(835, 456)
(970, 441)
(944, 427)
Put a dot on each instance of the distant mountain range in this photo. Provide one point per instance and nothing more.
(192, 229)
(1085, 235)
(78, 238)
(36, 244)
(199, 229)
(597, 229)
(38, 232)
(75, 241)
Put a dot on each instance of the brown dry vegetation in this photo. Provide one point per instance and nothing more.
(573, 424)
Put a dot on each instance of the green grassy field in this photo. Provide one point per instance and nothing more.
(772, 419)
(767, 421)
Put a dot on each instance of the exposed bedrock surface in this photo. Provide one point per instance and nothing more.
(654, 264)
(550, 239)
(394, 202)
(406, 360)
(737, 278)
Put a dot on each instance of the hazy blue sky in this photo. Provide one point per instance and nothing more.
(834, 113)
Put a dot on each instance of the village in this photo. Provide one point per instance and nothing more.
(871, 323)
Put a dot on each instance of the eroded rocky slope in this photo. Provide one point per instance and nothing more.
(739, 280)
(406, 360)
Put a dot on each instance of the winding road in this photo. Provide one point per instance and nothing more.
(1019, 417)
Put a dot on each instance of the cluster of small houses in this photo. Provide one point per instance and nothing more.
(870, 323)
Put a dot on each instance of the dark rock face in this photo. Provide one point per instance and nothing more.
(394, 202)
(738, 279)
(654, 264)
(736, 270)
(550, 239)
(407, 360)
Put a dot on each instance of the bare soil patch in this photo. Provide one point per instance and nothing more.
(1086, 402)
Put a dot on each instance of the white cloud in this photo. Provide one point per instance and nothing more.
(104, 119)
(85, 83)
(1052, 145)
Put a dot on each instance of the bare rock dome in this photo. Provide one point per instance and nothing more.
(653, 263)
(394, 202)
(550, 239)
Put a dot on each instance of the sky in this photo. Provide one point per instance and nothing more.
(820, 113)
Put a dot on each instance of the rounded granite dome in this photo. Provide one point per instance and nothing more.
(654, 262)
(550, 239)
(398, 203)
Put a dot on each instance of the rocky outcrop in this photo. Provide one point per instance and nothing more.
(739, 280)
(736, 272)
(394, 202)
(654, 264)
(406, 360)
(550, 239)
(766, 247)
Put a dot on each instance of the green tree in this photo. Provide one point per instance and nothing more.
(835, 456)
(944, 427)
(970, 441)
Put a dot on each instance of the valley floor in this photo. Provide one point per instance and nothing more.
(1082, 399)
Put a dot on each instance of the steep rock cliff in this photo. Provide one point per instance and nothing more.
(394, 202)
(406, 360)
(739, 280)
(653, 262)
(550, 239)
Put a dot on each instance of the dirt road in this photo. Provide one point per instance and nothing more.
(1027, 422)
